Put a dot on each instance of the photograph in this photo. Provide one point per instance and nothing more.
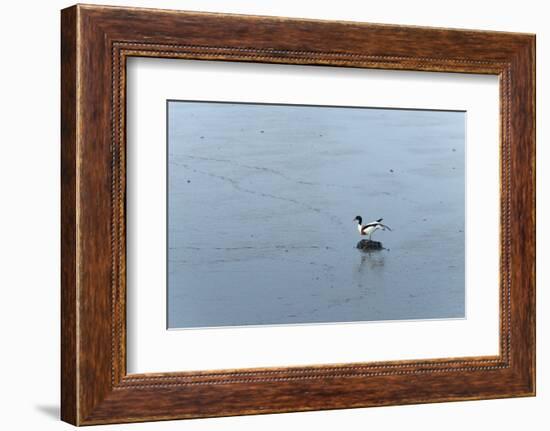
(281, 214)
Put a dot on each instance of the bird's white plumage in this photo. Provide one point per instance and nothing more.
(369, 228)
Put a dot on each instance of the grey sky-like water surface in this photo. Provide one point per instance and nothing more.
(261, 200)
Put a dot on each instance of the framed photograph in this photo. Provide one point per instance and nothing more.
(264, 214)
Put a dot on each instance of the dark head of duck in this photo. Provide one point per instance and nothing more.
(358, 219)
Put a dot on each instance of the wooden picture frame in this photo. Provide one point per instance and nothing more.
(95, 43)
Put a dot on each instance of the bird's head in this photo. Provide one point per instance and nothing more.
(358, 219)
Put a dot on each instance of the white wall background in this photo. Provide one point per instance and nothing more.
(29, 216)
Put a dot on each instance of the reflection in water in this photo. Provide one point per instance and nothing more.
(370, 268)
(372, 259)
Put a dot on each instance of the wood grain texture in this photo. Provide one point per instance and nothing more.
(69, 397)
(96, 41)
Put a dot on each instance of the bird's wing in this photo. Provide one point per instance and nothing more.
(376, 224)
(371, 224)
(379, 220)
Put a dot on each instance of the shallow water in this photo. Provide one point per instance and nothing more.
(260, 206)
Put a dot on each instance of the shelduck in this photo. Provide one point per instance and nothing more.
(369, 228)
